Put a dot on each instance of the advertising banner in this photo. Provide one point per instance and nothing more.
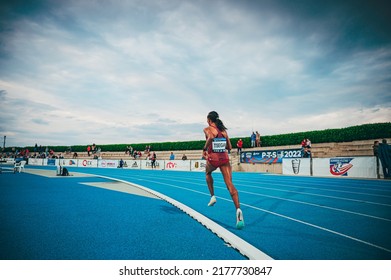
(35, 161)
(197, 165)
(132, 164)
(147, 164)
(296, 166)
(107, 163)
(269, 156)
(50, 161)
(364, 167)
(87, 163)
(181, 165)
(65, 162)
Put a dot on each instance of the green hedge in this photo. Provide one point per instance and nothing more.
(353, 133)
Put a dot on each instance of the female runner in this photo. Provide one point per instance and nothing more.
(215, 153)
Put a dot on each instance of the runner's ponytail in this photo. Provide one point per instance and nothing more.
(214, 117)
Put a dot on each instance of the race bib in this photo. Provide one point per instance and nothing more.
(218, 145)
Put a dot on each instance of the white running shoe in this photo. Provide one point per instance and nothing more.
(239, 219)
(212, 201)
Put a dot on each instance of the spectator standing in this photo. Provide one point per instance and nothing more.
(88, 150)
(376, 154)
(384, 151)
(153, 160)
(376, 148)
(253, 138)
(130, 150)
(303, 143)
(306, 148)
(94, 148)
(239, 144)
(308, 143)
(303, 147)
(258, 139)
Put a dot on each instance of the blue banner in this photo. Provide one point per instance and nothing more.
(51, 161)
(269, 156)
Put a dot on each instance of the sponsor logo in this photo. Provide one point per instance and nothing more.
(199, 164)
(86, 163)
(170, 165)
(340, 166)
(149, 164)
(296, 165)
(105, 163)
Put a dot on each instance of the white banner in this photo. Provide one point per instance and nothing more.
(296, 166)
(362, 167)
(107, 163)
(132, 164)
(35, 161)
(66, 162)
(182, 165)
(198, 165)
(87, 163)
(147, 164)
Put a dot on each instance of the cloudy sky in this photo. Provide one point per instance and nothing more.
(84, 71)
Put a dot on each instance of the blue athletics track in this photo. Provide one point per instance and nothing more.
(123, 214)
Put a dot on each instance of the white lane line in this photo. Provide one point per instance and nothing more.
(251, 183)
(319, 227)
(290, 191)
(328, 196)
(320, 206)
(289, 218)
(274, 197)
(233, 240)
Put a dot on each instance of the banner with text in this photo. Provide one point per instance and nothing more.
(35, 161)
(269, 156)
(198, 165)
(147, 164)
(87, 163)
(364, 167)
(65, 162)
(181, 165)
(107, 163)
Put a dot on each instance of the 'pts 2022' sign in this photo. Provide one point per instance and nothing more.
(270, 156)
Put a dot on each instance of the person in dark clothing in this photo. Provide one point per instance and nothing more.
(375, 148)
(384, 151)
